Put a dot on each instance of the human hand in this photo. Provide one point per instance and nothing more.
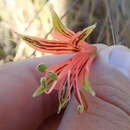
(18, 109)
(110, 108)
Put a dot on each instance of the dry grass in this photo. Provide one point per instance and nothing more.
(32, 17)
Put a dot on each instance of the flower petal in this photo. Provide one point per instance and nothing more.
(59, 27)
(82, 35)
(49, 46)
(86, 32)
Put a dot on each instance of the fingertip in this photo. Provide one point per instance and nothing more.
(117, 56)
(120, 58)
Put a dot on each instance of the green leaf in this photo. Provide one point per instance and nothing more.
(52, 75)
(80, 108)
(88, 88)
(42, 88)
(42, 67)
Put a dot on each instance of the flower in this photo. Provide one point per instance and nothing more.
(72, 74)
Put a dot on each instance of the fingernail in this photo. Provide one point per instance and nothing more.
(119, 57)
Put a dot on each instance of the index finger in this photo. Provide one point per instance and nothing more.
(18, 81)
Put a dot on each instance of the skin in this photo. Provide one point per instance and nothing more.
(108, 110)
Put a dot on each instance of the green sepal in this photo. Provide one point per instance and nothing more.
(42, 88)
(88, 88)
(42, 67)
(52, 75)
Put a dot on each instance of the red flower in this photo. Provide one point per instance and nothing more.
(72, 74)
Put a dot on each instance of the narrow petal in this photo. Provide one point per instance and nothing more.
(49, 46)
(59, 27)
(84, 100)
(86, 32)
(59, 36)
(80, 62)
(82, 35)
